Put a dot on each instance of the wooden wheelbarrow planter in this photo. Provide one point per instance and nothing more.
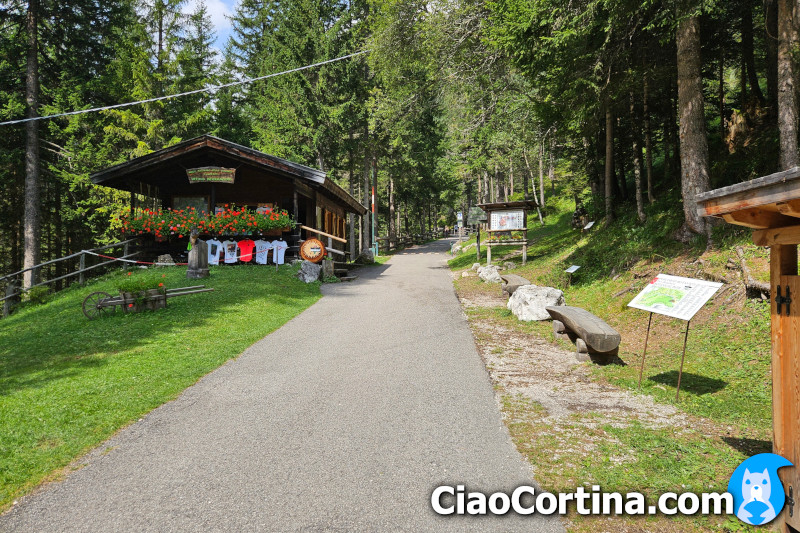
(594, 339)
(101, 303)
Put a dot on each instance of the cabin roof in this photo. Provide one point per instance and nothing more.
(152, 168)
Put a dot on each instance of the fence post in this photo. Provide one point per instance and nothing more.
(124, 254)
(8, 304)
(81, 266)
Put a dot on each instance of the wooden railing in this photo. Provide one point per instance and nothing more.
(329, 247)
(13, 288)
(404, 241)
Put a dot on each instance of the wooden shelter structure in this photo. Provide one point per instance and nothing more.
(770, 205)
(507, 225)
(208, 172)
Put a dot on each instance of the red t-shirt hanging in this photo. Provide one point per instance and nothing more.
(246, 248)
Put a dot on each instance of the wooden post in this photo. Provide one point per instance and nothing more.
(11, 289)
(125, 250)
(488, 255)
(81, 267)
(296, 214)
(478, 242)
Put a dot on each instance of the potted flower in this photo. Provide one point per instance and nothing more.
(142, 292)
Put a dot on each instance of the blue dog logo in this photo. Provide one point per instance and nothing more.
(756, 489)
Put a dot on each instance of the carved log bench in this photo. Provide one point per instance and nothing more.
(512, 282)
(594, 339)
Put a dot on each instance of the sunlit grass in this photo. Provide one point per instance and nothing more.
(68, 383)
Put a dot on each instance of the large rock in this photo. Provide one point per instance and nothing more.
(309, 272)
(529, 302)
(366, 257)
(455, 248)
(489, 274)
(475, 267)
(512, 282)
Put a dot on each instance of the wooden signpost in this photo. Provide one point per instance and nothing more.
(508, 225)
(771, 207)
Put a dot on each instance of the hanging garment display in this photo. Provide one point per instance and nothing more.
(262, 251)
(278, 251)
(246, 250)
(214, 251)
(230, 251)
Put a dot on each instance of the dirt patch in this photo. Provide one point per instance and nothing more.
(551, 376)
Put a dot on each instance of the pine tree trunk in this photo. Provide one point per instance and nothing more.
(525, 175)
(541, 174)
(510, 178)
(637, 160)
(351, 182)
(32, 230)
(721, 95)
(787, 103)
(648, 141)
(609, 173)
(771, 40)
(694, 145)
(622, 187)
(392, 229)
(365, 227)
(551, 168)
(747, 50)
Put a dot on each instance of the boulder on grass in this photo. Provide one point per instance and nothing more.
(489, 274)
(530, 302)
(309, 272)
(475, 267)
(512, 282)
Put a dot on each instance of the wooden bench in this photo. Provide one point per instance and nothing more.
(512, 282)
(594, 339)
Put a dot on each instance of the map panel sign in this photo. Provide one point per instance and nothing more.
(507, 220)
(675, 296)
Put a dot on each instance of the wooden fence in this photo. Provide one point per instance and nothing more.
(404, 241)
(13, 285)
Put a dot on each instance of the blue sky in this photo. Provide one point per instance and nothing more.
(218, 9)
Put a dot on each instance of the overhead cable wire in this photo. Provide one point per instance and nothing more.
(170, 96)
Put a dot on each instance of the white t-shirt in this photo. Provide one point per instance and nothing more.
(214, 251)
(230, 251)
(262, 250)
(278, 251)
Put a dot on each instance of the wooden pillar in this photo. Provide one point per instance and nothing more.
(786, 374)
(488, 254)
(295, 214)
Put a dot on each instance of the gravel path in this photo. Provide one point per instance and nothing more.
(345, 419)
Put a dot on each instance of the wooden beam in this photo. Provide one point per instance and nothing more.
(777, 236)
(790, 208)
(758, 218)
(778, 187)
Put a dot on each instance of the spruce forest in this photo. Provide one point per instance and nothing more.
(611, 104)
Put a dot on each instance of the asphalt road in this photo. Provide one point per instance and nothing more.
(345, 419)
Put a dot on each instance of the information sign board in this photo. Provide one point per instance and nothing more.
(512, 219)
(211, 175)
(572, 269)
(675, 296)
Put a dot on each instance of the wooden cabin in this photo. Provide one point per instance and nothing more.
(208, 172)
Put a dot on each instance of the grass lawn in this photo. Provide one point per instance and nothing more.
(68, 383)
